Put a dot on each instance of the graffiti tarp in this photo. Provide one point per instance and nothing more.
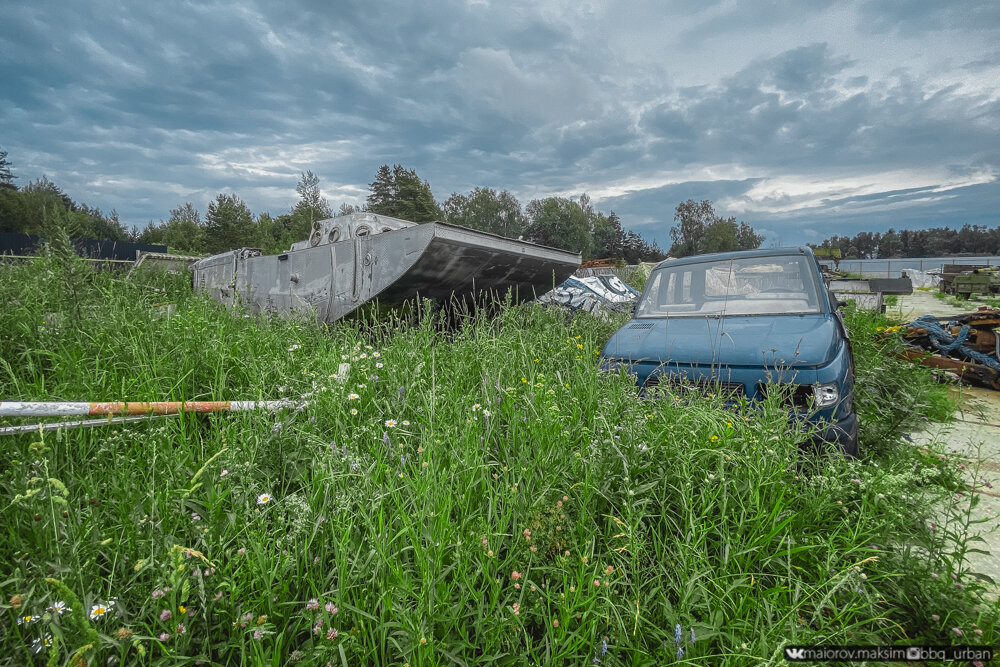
(595, 294)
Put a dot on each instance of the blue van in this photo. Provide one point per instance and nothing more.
(742, 323)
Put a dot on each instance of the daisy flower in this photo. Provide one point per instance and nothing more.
(21, 620)
(486, 413)
(353, 397)
(391, 423)
(294, 347)
(376, 354)
(263, 498)
(379, 365)
(354, 411)
(406, 423)
(343, 357)
(98, 611)
(38, 644)
(59, 607)
(476, 407)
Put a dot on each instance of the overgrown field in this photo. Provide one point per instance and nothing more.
(472, 495)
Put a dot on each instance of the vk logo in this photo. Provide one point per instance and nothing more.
(795, 653)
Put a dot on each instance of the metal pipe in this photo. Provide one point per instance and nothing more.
(68, 408)
(82, 423)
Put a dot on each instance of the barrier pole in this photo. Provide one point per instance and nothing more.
(71, 408)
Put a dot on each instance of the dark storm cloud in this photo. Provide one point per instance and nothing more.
(797, 109)
(143, 106)
(916, 16)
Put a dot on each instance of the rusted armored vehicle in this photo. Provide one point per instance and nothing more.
(354, 260)
(977, 281)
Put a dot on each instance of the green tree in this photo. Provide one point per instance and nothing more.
(399, 193)
(6, 175)
(890, 245)
(185, 232)
(688, 237)
(701, 230)
(720, 236)
(311, 202)
(610, 239)
(747, 238)
(107, 227)
(487, 210)
(560, 223)
(228, 224)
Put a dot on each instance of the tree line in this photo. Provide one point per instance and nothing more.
(934, 242)
(570, 224)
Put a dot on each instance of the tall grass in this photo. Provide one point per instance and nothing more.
(469, 495)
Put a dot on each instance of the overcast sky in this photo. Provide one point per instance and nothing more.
(803, 117)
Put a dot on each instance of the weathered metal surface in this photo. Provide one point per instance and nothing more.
(901, 285)
(949, 272)
(849, 285)
(70, 408)
(864, 300)
(978, 281)
(868, 293)
(352, 260)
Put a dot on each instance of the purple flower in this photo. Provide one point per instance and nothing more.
(164, 636)
(157, 594)
(332, 608)
(331, 634)
(312, 605)
(165, 615)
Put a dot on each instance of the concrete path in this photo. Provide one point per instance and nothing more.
(912, 306)
(973, 439)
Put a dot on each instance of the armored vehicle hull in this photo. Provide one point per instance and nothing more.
(354, 260)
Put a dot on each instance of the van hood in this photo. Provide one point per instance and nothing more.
(797, 341)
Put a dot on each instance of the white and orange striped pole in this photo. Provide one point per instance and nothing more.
(72, 408)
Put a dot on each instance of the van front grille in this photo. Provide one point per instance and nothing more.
(706, 386)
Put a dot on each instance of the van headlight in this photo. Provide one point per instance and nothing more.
(826, 394)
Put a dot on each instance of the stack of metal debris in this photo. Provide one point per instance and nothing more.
(967, 345)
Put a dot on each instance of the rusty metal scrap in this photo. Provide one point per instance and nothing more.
(967, 345)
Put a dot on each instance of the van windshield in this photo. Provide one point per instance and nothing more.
(775, 285)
